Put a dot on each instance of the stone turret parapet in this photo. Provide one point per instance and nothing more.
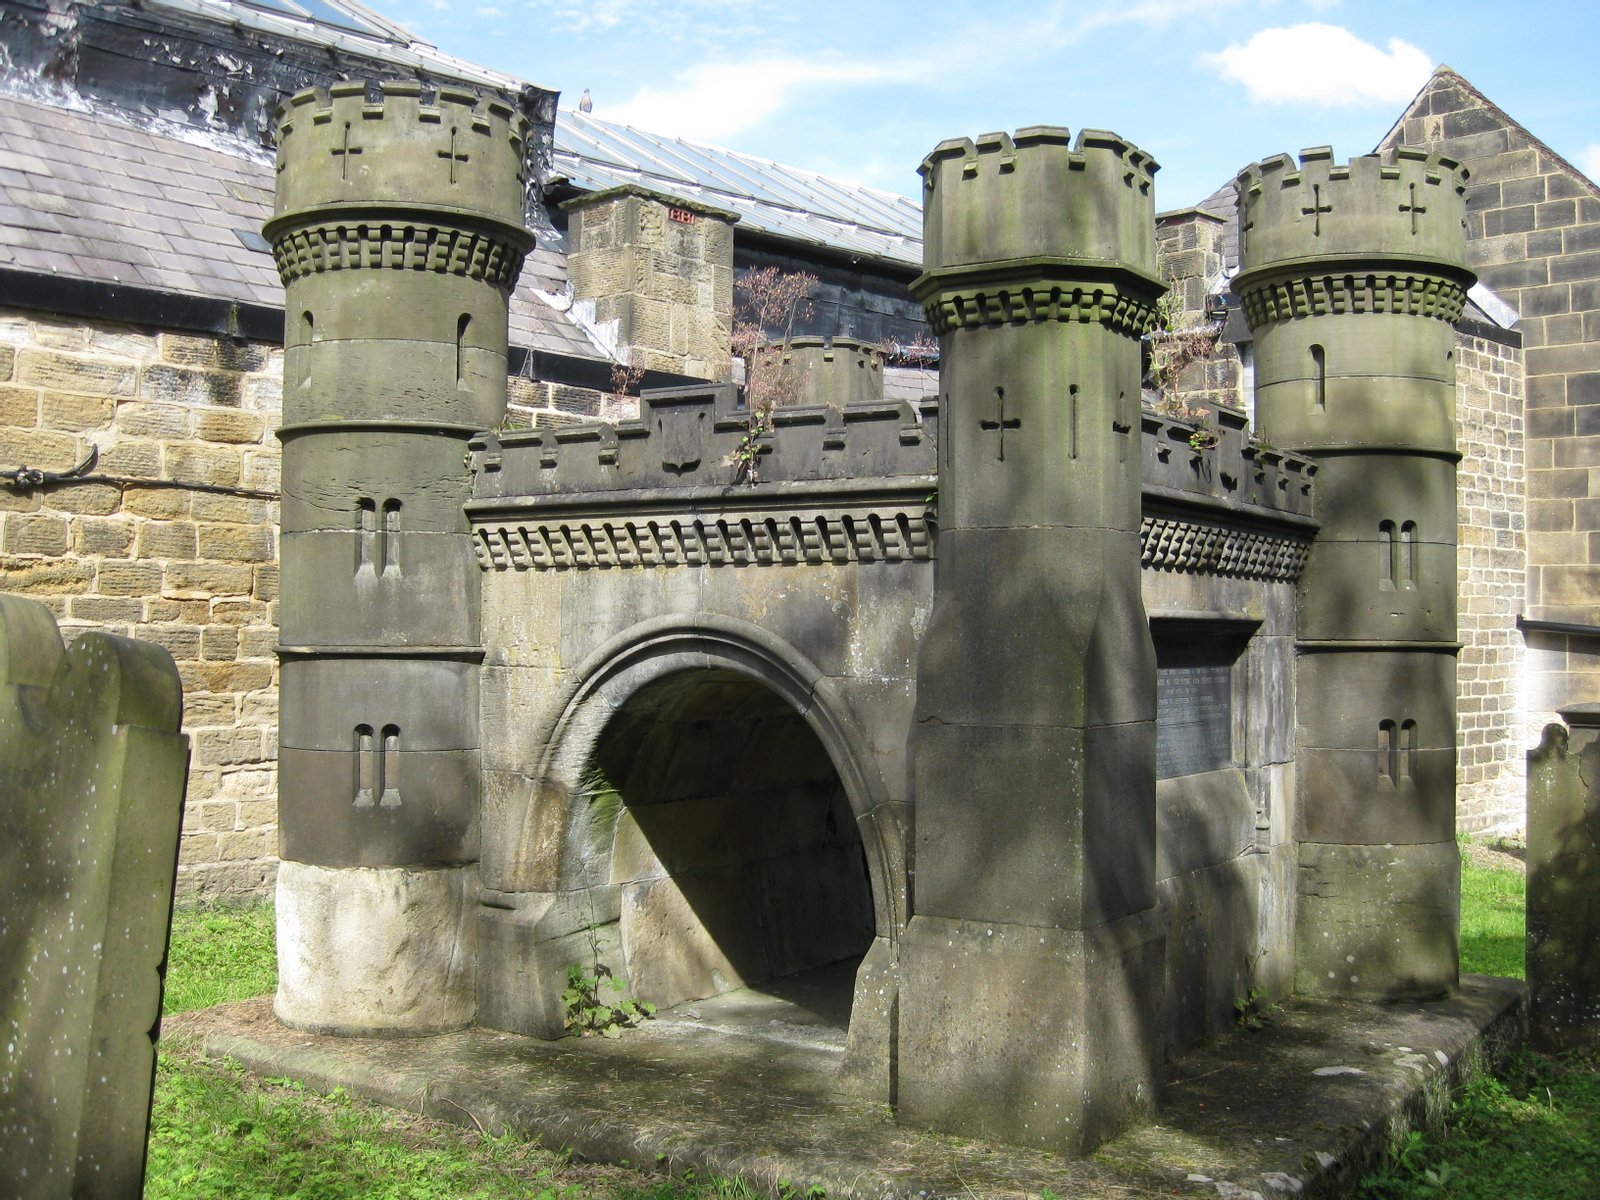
(387, 167)
(1039, 194)
(1406, 207)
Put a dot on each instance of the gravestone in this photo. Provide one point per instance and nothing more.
(92, 775)
(1564, 882)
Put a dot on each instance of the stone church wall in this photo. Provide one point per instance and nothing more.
(183, 553)
(1491, 570)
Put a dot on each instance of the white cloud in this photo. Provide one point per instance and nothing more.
(1322, 64)
(1589, 160)
(715, 102)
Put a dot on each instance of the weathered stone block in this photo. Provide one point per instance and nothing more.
(1378, 922)
(77, 413)
(1564, 883)
(362, 807)
(1039, 1037)
(92, 772)
(69, 373)
(527, 943)
(1034, 825)
(375, 951)
(39, 534)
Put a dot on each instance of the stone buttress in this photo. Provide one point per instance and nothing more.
(1352, 278)
(1031, 967)
(398, 233)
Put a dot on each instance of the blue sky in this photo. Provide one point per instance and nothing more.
(862, 90)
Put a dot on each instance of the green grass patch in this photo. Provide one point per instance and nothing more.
(219, 953)
(216, 1131)
(1531, 1134)
(1492, 923)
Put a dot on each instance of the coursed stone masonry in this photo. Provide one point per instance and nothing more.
(172, 539)
(1491, 573)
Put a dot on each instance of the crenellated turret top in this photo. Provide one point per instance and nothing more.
(397, 145)
(1406, 205)
(1039, 194)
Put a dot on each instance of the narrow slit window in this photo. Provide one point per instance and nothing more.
(1389, 547)
(1319, 376)
(1406, 759)
(1072, 420)
(389, 547)
(390, 768)
(366, 532)
(366, 765)
(461, 349)
(1408, 554)
(308, 333)
(1388, 752)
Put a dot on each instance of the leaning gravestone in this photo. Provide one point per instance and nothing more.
(1564, 882)
(92, 774)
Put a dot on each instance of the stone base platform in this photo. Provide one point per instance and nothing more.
(1302, 1107)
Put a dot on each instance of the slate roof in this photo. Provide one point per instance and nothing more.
(93, 197)
(801, 206)
(341, 25)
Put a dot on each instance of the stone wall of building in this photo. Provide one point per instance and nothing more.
(1533, 223)
(171, 538)
(1491, 567)
(659, 272)
(1190, 251)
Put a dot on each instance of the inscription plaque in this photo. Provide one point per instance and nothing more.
(1194, 708)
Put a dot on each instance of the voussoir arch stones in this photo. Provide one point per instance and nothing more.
(537, 822)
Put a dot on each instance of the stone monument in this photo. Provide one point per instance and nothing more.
(1352, 277)
(398, 233)
(1038, 727)
(92, 774)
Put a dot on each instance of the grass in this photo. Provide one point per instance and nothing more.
(1531, 1134)
(219, 954)
(1491, 921)
(218, 1132)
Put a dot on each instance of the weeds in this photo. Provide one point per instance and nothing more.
(767, 304)
(587, 1010)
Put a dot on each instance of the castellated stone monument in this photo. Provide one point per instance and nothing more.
(1352, 278)
(1033, 756)
(1035, 728)
(398, 231)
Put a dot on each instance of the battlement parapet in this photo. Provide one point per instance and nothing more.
(701, 439)
(830, 372)
(399, 147)
(1217, 501)
(1407, 205)
(1039, 195)
(1211, 454)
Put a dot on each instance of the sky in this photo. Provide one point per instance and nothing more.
(861, 90)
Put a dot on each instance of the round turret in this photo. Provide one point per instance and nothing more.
(1389, 227)
(354, 147)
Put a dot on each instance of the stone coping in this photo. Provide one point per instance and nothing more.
(1303, 1106)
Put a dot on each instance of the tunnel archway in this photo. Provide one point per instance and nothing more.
(735, 851)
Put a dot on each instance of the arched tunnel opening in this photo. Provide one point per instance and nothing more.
(737, 857)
